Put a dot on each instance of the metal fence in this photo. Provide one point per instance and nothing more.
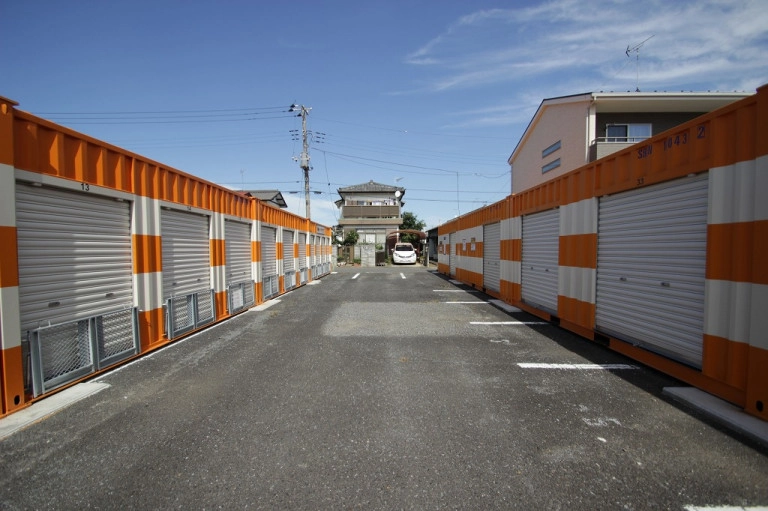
(187, 312)
(290, 279)
(61, 353)
(240, 296)
(271, 286)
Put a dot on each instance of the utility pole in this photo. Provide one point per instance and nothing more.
(304, 161)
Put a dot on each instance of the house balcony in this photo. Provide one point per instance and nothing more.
(386, 222)
(365, 212)
(603, 146)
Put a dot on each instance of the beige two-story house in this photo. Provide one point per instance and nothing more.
(569, 131)
(372, 209)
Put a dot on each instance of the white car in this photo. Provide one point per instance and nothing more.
(404, 253)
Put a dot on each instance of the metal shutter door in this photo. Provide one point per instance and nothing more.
(75, 256)
(651, 257)
(186, 253)
(238, 251)
(302, 250)
(452, 254)
(312, 251)
(288, 263)
(541, 239)
(268, 251)
(492, 256)
(269, 278)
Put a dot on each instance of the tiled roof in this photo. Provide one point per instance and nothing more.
(370, 186)
(271, 196)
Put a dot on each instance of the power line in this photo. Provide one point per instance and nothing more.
(395, 130)
(149, 112)
(168, 116)
(126, 121)
(410, 153)
(353, 158)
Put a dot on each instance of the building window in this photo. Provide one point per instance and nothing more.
(627, 132)
(551, 149)
(551, 165)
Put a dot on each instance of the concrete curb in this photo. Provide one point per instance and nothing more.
(721, 411)
(48, 406)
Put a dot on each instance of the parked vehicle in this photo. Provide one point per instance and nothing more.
(404, 253)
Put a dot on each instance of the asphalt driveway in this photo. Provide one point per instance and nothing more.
(380, 388)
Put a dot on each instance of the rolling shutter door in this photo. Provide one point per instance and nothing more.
(75, 283)
(238, 265)
(75, 256)
(312, 253)
(651, 256)
(186, 271)
(238, 251)
(288, 262)
(452, 254)
(302, 250)
(541, 239)
(268, 251)
(186, 253)
(492, 256)
(269, 280)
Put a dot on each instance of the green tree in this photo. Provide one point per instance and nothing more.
(411, 221)
(351, 238)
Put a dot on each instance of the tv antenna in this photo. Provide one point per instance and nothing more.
(636, 50)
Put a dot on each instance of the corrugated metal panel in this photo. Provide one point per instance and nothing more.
(541, 241)
(238, 251)
(268, 251)
(186, 253)
(288, 261)
(74, 255)
(302, 250)
(312, 250)
(452, 254)
(651, 258)
(492, 256)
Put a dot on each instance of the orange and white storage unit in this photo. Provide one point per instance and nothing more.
(659, 250)
(107, 255)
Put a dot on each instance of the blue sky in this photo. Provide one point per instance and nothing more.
(430, 95)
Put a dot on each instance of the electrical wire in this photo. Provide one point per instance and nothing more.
(169, 116)
(463, 135)
(354, 158)
(332, 141)
(150, 112)
(127, 122)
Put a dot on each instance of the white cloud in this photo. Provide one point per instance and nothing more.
(706, 44)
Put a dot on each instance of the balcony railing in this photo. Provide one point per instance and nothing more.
(620, 140)
(370, 211)
(603, 146)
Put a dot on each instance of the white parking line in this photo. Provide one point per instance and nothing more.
(525, 365)
(456, 291)
(508, 323)
(403, 276)
(473, 301)
(356, 275)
